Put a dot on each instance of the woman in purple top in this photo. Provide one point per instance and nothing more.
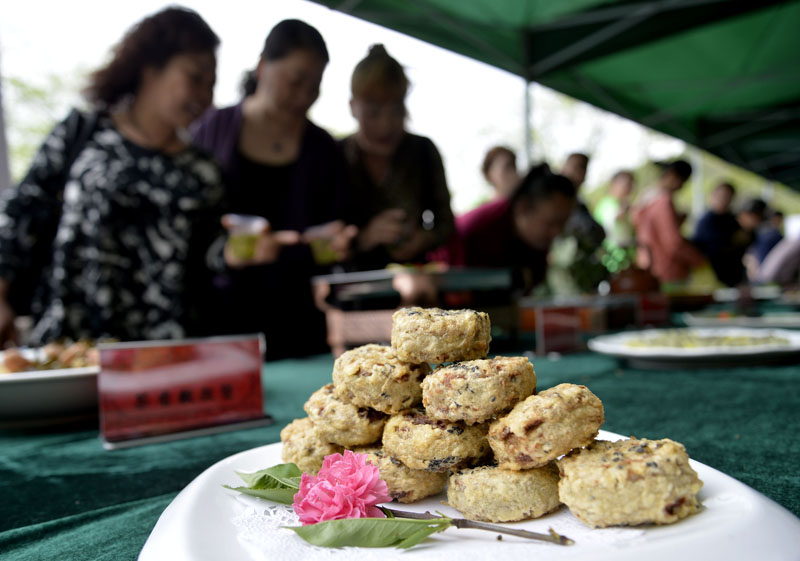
(279, 165)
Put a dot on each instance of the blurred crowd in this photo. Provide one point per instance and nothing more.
(128, 224)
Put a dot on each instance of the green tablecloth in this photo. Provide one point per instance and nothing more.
(64, 497)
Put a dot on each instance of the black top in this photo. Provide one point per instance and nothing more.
(133, 229)
(415, 183)
(264, 190)
(272, 299)
(724, 242)
(275, 299)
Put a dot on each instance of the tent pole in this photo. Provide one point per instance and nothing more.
(527, 129)
(768, 191)
(5, 172)
(528, 77)
(698, 180)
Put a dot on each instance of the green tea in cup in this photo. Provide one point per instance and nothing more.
(322, 251)
(243, 246)
(243, 233)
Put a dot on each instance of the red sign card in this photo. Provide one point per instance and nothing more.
(653, 309)
(147, 389)
(622, 311)
(558, 329)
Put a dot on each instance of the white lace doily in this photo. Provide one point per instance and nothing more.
(259, 530)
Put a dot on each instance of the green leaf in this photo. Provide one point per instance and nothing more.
(279, 483)
(370, 532)
(282, 476)
(420, 535)
(283, 496)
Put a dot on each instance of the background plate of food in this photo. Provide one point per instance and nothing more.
(790, 297)
(52, 381)
(731, 319)
(765, 292)
(701, 347)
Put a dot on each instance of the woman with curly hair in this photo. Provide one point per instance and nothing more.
(111, 224)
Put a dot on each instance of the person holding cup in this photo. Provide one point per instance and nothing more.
(401, 203)
(279, 166)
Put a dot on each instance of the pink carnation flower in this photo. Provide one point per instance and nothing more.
(346, 487)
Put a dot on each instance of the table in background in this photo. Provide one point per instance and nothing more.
(64, 497)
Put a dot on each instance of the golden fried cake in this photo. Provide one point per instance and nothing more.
(435, 336)
(492, 494)
(421, 442)
(343, 423)
(629, 482)
(372, 376)
(406, 485)
(302, 446)
(477, 390)
(545, 426)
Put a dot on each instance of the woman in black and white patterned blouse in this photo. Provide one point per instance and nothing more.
(132, 212)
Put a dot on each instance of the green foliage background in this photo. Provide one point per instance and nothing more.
(31, 110)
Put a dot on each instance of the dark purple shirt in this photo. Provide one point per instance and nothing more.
(317, 184)
(275, 299)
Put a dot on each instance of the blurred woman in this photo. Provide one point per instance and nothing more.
(112, 221)
(500, 170)
(612, 211)
(662, 248)
(400, 199)
(517, 233)
(279, 165)
(720, 237)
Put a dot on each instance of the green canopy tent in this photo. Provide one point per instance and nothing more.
(723, 75)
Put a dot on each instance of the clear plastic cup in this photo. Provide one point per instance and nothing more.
(319, 238)
(323, 253)
(243, 232)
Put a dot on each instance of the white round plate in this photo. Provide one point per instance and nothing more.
(777, 320)
(46, 393)
(619, 345)
(766, 292)
(207, 522)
